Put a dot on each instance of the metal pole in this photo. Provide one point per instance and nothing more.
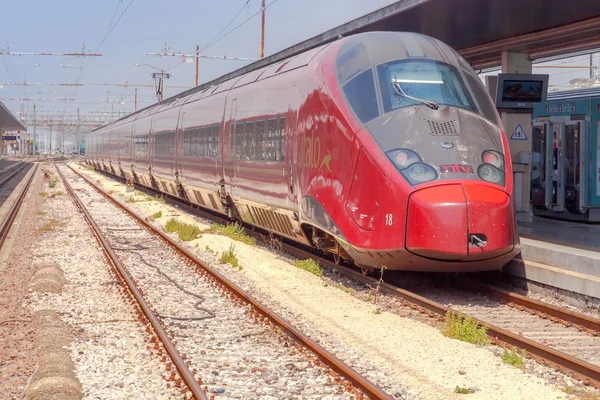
(35, 141)
(262, 36)
(78, 138)
(135, 101)
(591, 65)
(160, 84)
(197, 61)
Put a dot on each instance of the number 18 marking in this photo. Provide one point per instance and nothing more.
(388, 219)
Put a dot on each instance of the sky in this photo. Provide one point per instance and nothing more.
(123, 30)
(65, 25)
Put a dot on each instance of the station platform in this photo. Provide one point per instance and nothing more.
(561, 254)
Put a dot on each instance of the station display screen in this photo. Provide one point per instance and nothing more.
(521, 91)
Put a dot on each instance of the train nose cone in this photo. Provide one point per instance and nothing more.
(459, 222)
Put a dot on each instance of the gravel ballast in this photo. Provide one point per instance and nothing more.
(407, 358)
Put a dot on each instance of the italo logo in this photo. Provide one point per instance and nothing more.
(310, 156)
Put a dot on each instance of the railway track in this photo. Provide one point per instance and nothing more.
(8, 220)
(217, 335)
(567, 341)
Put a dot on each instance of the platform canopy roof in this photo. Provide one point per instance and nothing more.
(8, 122)
(481, 29)
(478, 29)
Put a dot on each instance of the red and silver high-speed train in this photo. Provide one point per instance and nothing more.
(383, 148)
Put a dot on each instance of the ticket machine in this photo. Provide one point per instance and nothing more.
(565, 159)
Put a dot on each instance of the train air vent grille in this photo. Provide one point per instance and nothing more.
(272, 220)
(447, 128)
(213, 202)
(199, 198)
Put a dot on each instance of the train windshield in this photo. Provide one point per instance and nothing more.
(432, 83)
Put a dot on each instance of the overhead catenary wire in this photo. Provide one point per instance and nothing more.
(208, 45)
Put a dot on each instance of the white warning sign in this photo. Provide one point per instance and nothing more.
(519, 133)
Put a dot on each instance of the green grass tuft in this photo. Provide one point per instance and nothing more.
(189, 232)
(132, 199)
(229, 257)
(465, 329)
(185, 231)
(52, 183)
(309, 265)
(43, 194)
(160, 199)
(513, 358)
(172, 225)
(59, 193)
(157, 215)
(233, 231)
(463, 390)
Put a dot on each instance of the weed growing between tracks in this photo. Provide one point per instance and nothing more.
(185, 231)
(309, 265)
(513, 358)
(50, 225)
(160, 199)
(43, 194)
(463, 390)
(157, 215)
(465, 329)
(229, 257)
(233, 231)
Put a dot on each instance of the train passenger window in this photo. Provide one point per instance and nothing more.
(260, 140)
(251, 132)
(273, 126)
(360, 92)
(281, 140)
(215, 142)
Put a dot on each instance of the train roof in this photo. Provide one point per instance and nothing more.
(573, 94)
(280, 62)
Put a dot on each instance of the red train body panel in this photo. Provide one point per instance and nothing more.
(380, 148)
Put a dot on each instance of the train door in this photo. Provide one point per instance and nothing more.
(557, 164)
(289, 152)
(227, 162)
(540, 174)
(574, 166)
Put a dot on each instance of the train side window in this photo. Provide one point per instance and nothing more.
(272, 139)
(281, 139)
(361, 95)
(239, 137)
(251, 138)
(215, 144)
(260, 139)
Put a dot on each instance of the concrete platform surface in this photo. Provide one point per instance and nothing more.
(562, 254)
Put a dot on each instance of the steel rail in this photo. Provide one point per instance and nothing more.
(567, 317)
(14, 209)
(180, 364)
(587, 372)
(7, 179)
(360, 382)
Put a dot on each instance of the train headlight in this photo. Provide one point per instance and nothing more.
(494, 158)
(403, 158)
(490, 173)
(411, 166)
(419, 173)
